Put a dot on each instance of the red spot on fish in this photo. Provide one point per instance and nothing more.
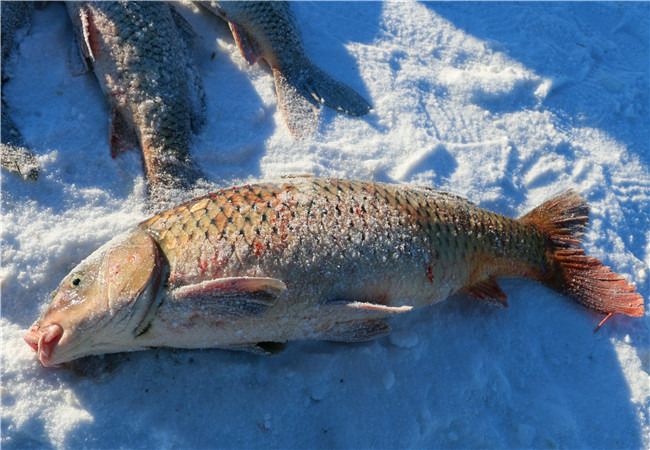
(203, 266)
(258, 248)
(116, 146)
(430, 275)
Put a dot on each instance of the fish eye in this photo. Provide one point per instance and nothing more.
(76, 280)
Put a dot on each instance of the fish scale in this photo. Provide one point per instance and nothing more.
(268, 30)
(274, 229)
(312, 258)
(142, 58)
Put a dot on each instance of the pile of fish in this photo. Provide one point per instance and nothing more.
(142, 56)
(251, 267)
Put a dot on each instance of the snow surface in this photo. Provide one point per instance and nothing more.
(504, 103)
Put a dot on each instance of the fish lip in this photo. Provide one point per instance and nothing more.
(32, 336)
(43, 339)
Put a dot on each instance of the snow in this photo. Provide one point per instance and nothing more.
(504, 103)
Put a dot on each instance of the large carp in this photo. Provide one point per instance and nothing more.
(268, 30)
(311, 258)
(141, 55)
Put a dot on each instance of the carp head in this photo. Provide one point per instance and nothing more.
(103, 304)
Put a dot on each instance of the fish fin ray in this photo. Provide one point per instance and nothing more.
(78, 62)
(563, 219)
(589, 282)
(356, 331)
(300, 113)
(232, 297)
(260, 348)
(343, 310)
(88, 39)
(319, 87)
(489, 291)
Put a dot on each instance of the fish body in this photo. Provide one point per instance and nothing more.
(143, 61)
(311, 258)
(268, 30)
(16, 157)
(16, 18)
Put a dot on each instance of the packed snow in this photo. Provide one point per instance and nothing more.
(504, 103)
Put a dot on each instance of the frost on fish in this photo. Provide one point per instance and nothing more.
(268, 30)
(16, 157)
(141, 54)
(14, 153)
(310, 258)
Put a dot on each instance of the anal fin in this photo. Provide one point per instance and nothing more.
(487, 290)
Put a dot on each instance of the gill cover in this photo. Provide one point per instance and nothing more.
(133, 271)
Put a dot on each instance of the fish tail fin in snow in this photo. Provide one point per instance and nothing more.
(563, 219)
(303, 87)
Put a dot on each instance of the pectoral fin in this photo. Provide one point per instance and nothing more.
(230, 297)
(487, 290)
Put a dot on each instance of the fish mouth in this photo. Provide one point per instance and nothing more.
(43, 340)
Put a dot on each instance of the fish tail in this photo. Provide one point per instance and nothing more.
(303, 87)
(563, 220)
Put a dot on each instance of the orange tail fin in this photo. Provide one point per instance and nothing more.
(563, 219)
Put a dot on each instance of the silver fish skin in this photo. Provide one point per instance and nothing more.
(16, 157)
(312, 258)
(144, 64)
(268, 30)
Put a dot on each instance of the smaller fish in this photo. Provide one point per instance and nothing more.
(15, 155)
(140, 53)
(251, 267)
(268, 30)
